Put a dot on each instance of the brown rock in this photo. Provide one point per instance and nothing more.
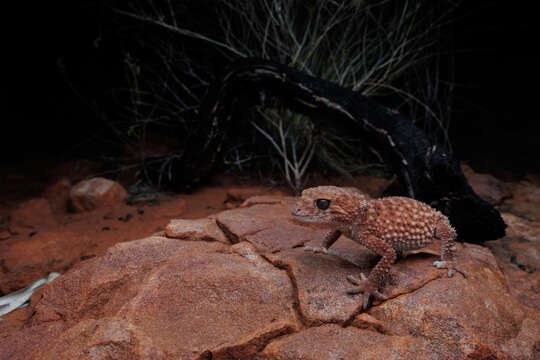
(20, 344)
(107, 338)
(196, 230)
(331, 342)
(96, 193)
(461, 318)
(519, 255)
(33, 215)
(521, 227)
(366, 321)
(101, 285)
(233, 304)
(524, 201)
(25, 261)
(486, 186)
(166, 298)
(160, 298)
(321, 283)
(237, 223)
(283, 235)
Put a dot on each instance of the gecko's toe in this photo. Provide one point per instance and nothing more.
(362, 276)
(354, 291)
(353, 280)
(439, 264)
(451, 266)
(365, 301)
(459, 270)
(313, 249)
(379, 296)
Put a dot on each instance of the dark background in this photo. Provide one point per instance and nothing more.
(494, 128)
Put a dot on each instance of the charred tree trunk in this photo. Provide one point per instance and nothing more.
(427, 171)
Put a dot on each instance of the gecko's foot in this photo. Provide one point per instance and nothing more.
(316, 249)
(451, 266)
(365, 287)
(321, 250)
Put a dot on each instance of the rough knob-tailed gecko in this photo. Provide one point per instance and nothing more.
(385, 226)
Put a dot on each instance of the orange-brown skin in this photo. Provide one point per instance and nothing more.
(385, 226)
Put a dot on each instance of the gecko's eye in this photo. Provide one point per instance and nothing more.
(322, 204)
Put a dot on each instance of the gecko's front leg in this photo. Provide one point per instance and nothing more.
(329, 239)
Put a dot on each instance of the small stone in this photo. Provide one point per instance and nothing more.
(95, 193)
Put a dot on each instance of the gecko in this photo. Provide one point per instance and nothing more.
(385, 226)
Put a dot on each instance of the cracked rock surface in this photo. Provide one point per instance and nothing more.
(238, 285)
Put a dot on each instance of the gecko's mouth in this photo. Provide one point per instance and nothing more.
(302, 218)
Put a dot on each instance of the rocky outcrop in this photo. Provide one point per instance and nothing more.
(238, 285)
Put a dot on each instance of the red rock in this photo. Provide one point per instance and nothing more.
(465, 318)
(521, 227)
(519, 255)
(166, 298)
(233, 304)
(332, 342)
(25, 261)
(283, 235)
(157, 296)
(101, 285)
(237, 223)
(321, 283)
(196, 230)
(108, 338)
(96, 193)
(524, 201)
(366, 321)
(486, 186)
(33, 215)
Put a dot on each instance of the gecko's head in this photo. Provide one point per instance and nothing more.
(329, 205)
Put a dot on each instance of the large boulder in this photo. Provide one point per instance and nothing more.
(160, 298)
(259, 295)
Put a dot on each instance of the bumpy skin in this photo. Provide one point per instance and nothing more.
(385, 226)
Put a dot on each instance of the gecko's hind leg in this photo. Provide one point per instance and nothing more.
(446, 233)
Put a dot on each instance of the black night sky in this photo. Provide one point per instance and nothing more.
(495, 127)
